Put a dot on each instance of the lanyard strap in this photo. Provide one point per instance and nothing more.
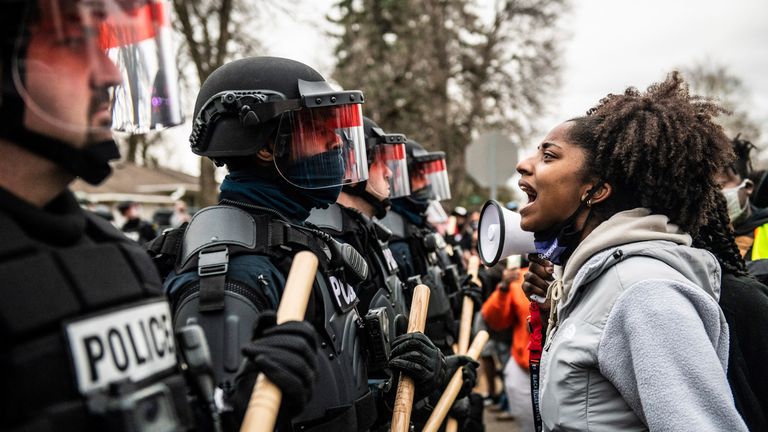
(535, 345)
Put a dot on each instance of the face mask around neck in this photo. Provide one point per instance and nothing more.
(558, 243)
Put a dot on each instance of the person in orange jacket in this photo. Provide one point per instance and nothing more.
(508, 307)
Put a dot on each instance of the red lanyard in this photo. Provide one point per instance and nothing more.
(534, 346)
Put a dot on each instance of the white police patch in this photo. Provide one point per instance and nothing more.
(131, 343)
(343, 294)
(391, 262)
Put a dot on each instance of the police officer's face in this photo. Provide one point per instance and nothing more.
(378, 179)
(419, 180)
(68, 80)
(316, 133)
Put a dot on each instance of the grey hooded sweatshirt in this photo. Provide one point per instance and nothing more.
(640, 342)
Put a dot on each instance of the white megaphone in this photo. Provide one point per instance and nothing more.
(499, 234)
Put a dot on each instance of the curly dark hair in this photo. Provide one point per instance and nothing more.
(659, 149)
(742, 148)
(716, 236)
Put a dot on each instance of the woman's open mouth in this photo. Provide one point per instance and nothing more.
(529, 191)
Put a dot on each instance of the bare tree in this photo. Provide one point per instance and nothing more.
(717, 81)
(441, 71)
(214, 31)
(136, 146)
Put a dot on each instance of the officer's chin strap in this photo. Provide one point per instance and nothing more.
(379, 206)
(90, 163)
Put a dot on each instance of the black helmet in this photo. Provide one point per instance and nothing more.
(312, 130)
(117, 76)
(432, 166)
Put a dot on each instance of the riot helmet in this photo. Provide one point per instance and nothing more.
(386, 157)
(75, 70)
(388, 152)
(428, 173)
(313, 132)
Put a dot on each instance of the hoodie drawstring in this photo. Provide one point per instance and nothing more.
(554, 294)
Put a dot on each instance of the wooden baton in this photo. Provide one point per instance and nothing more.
(401, 413)
(467, 308)
(465, 325)
(265, 398)
(452, 390)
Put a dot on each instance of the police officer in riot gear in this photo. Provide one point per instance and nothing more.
(421, 254)
(416, 246)
(351, 220)
(86, 342)
(290, 142)
(382, 300)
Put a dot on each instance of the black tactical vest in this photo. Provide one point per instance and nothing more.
(382, 293)
(425, 246)
(87, 342)
(226, 309)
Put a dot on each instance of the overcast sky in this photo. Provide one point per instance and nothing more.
(608, 45)
(616, 43)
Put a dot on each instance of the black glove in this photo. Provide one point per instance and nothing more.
(472, 290)
(417, 357)
(460, 409)
(468, 411)
(287, 355)
(468, 372)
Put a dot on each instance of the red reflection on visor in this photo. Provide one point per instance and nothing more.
(391, 151)
(434, 166)
(141, 24)
(347, 116)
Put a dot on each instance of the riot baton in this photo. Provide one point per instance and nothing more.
(265, 398)
(465, 326)
(452, 390)
(401, 413)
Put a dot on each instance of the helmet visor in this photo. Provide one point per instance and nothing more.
(437, 177)
(392, 156)
(139, 43)
(321, 147)
(93, 66)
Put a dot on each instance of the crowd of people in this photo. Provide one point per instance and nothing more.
(644, 298)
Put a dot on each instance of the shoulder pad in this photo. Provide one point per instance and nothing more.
(14, 240)
(382, 232)
(102, 228)
(395, 223)
(330, 218)
(218, 225)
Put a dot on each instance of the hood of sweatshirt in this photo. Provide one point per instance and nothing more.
(636, 232)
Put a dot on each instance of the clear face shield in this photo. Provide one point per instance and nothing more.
(390, 158)
(436, 173)
(321, 147)
(94, 66)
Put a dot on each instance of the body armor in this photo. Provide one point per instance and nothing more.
(220, 239)
(418, 256)
(382, 295)
(86, 336)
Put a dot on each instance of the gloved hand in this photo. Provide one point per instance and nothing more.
(460, 409)
(468, 411)
(286, 354)
(417, 357)
(468, 373)
(472, 290)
